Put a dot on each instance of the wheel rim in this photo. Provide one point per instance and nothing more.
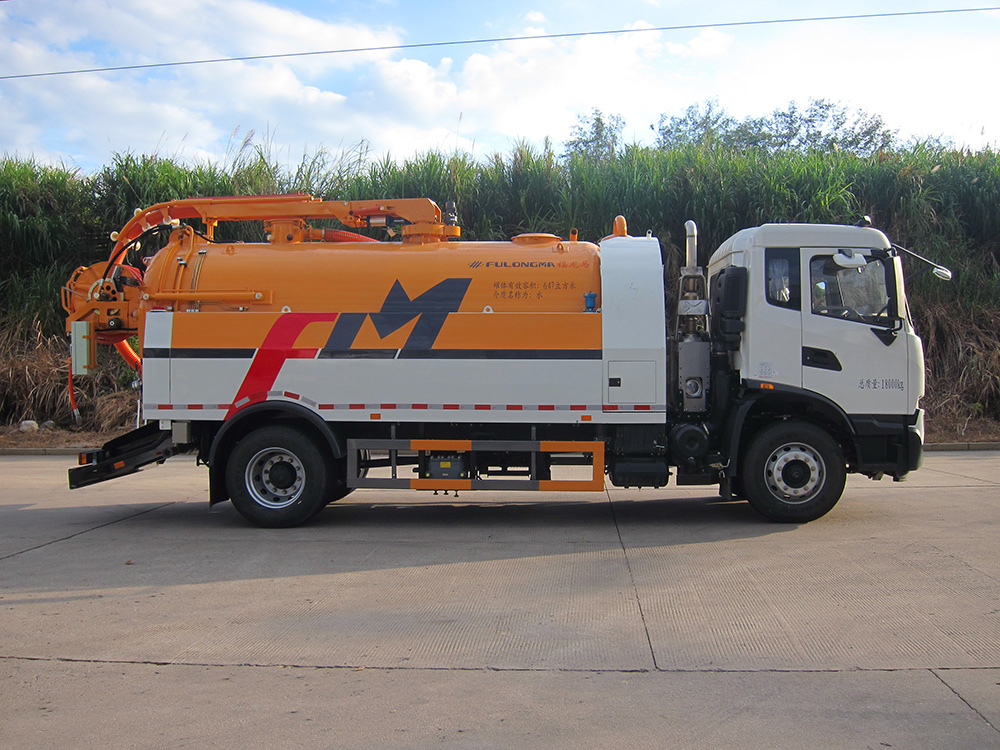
(794, 472)
(275, 478)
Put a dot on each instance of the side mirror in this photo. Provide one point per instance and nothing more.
(939, 271)
(942, 273)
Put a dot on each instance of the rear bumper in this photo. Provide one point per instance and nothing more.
(122, 456)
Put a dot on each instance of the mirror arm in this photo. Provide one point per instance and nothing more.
(940, 271)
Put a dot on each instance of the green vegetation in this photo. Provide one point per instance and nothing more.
(818, 164)
(823, 125)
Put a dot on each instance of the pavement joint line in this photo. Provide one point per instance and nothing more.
(332, 667)
(963, 476)
(85, 531)
(961, 698)
(568, 670)
(631, 578)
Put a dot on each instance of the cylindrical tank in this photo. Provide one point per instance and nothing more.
(308, 289)
(533, 273)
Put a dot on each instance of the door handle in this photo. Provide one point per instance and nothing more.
(822, 359)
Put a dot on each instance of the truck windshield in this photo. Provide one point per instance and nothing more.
(858, 294)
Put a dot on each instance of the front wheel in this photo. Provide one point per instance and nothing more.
(277, 477)
(793, 472)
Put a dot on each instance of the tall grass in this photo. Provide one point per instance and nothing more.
(33, 374)
(939, 202)
(44, 213)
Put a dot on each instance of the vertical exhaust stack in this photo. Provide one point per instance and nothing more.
(693, 344)
(691, 244)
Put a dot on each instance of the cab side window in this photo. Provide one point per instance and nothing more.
(858, 294)
(782, 277)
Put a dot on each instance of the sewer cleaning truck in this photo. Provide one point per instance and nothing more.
(311, 361)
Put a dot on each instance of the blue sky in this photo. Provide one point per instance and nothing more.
(926, 76)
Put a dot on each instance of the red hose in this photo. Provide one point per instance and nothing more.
(127, 353)
(72, 395)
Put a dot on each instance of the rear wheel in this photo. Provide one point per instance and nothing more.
(793, 472)
(277, 477)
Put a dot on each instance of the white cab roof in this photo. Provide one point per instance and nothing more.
(801, 235)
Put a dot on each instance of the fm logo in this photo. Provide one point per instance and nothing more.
(432, 307)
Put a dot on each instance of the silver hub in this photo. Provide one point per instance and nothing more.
(794, 473)
(275, 477)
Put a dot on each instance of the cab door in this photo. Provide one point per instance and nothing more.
(854, 348)
(774, 331)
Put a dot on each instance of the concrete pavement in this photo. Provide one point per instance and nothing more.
(134, 616)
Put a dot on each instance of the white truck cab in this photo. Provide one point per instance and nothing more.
(828, 337)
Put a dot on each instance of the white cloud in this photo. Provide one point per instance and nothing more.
(923, 86)
(483, 98)
(708, 43)
(415, 91)
(81, 119)
(147, 31)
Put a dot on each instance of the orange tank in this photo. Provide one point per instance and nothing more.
(424, 291)
(467, 295)
(532, 273)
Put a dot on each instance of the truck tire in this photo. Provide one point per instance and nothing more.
(793, 472)
(277, 477)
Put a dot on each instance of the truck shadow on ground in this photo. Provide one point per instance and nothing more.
(181, 543)
(664, 512)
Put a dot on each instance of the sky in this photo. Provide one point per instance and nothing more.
(926, 76)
